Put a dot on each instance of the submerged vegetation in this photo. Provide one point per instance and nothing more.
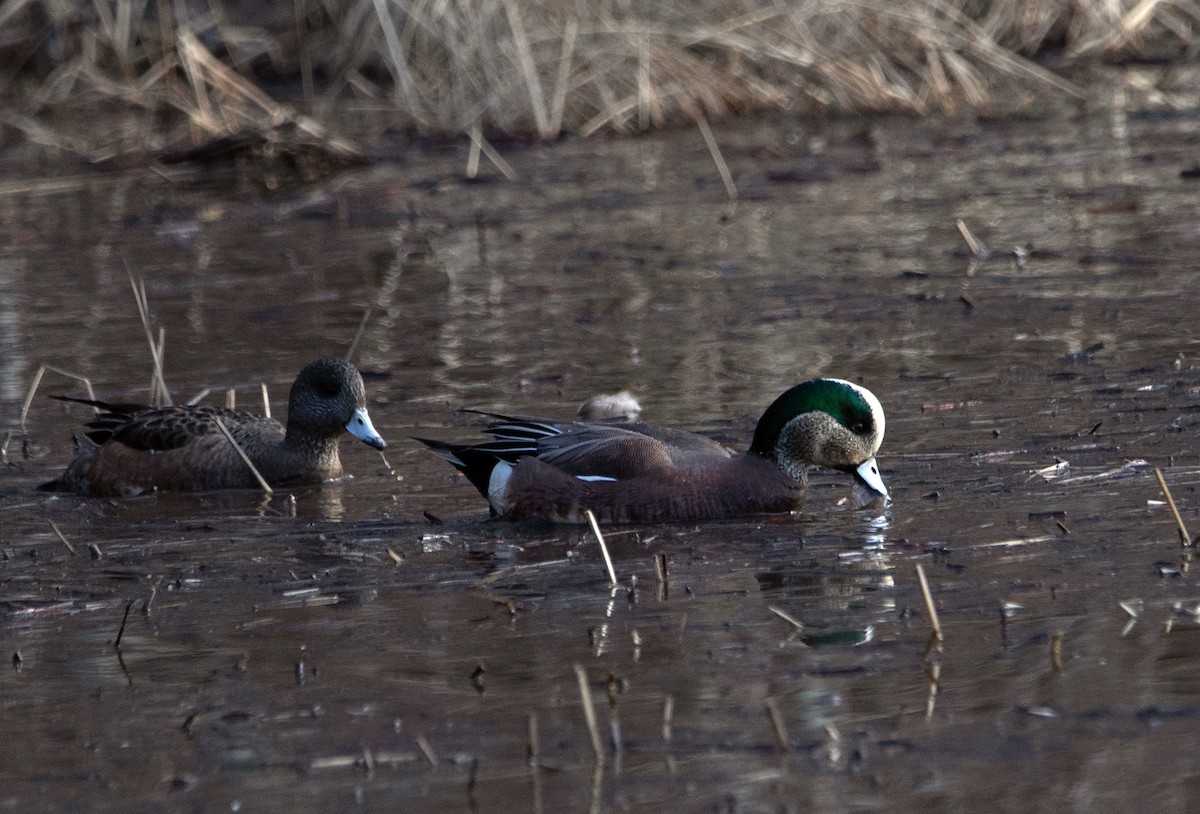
(319, 71)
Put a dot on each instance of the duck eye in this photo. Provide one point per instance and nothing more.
(860, 427)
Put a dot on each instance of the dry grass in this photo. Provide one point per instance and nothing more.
(198, 71)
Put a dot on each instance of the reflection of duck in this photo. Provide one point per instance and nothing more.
(628, 473)
(131, 448)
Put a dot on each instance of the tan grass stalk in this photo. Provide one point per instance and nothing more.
(589, 712)
(37, 380)
(266, 487)
(1183, 531)
(562, 81)
(143, 306)
(718, 159)
(525, 61)
(612, 575)
(934, 622)
(62, 538)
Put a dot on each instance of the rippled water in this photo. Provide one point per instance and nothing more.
(337, 649)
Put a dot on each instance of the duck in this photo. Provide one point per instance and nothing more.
(545, 470)
(133, 449)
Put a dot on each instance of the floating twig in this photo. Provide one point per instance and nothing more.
(976, 246)
(124, 619)
(612, 575)
(266, 400)
(61, 537)
(1056, 652)
(787, 617)
(781, 738)
(1162, 484)
(266, 487)
(668, 713)
(427, 750)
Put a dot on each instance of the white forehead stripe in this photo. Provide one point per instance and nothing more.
(876, 408)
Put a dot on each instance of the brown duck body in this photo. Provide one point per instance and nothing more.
(133, 449)
(635, 473)
(731, 487)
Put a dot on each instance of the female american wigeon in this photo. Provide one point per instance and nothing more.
(633, 473)
(130, 449)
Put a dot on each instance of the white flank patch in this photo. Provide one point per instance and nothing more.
(596, 478)
(498, 486)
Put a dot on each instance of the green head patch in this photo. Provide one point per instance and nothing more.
(854, 407)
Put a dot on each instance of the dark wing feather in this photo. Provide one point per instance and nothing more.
(157, 429)
(606, 450)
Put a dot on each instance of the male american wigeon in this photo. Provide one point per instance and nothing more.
(634, 473)
(130, 449)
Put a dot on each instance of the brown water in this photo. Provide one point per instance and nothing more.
(333, 649)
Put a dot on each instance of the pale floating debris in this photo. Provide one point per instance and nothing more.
(1010, 608)
(1054, 471)
(1041, 712)
(431, 543)
(1015, 542)
(305, 599)
(998, 455)
(1146, 388)
(1156, 503)
(1188, 610)
(1133, 607)
(1127, 468)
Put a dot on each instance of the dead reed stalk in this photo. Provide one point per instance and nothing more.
(266, 487)
(533, 68)
(589, 712)
(934, 622)
(1184, 536)
(612, 575)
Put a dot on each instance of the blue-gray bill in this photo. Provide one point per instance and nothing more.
(360, 427)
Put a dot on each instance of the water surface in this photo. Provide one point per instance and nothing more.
(378, 644)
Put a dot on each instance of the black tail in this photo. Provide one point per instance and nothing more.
(476, 464)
